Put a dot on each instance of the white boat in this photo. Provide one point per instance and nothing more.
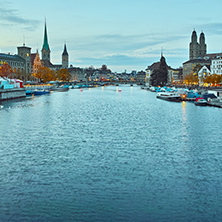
(173, 97)
(200, 102)
(152, 89)
(1, 106)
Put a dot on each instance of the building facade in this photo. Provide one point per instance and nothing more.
(216, 65)
(17, 63)
(203, 73)
(149, 70)
(190, 65)
(25, 53)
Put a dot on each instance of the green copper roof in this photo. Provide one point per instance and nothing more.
(45, 43)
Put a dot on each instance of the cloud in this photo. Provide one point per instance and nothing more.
(132, 62)
(211, 28)
(136, 45)
(11, 17)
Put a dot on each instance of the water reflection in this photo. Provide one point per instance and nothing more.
(110, 156)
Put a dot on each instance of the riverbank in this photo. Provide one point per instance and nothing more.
(15, 93)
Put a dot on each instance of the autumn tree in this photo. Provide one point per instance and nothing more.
(44, 74)
(5, 70)
(191, 78)
(214, 79)
(64, 75)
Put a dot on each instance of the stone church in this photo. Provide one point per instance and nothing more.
(197, 49)
(46, 56)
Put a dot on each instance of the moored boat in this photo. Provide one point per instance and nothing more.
(60, 89)
(173, 97)
(200, 102)
(39, 92)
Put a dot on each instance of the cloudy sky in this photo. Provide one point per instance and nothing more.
(123, 34)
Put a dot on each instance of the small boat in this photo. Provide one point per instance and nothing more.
(173, 97)
(60, 89)
(39, 92)
(200, 102)
(152, 89)
(216, 102)
(1, 106)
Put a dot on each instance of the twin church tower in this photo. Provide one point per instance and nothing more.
(46, 53)
(197, 50)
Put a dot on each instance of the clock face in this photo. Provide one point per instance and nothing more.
(64, 58)
(27, 54)
(43, 50)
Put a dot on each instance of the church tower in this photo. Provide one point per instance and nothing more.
(65, 58)
(202, 45)
(45, 48)
(194, 46)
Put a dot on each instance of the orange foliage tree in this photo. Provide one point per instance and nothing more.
(191, 78)
(63, 74)
(5, 70)
(214, 79)
(44, 74)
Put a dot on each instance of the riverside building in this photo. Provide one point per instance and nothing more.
(216, 65)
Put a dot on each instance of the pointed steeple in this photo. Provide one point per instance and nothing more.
(45, 43)
(65, 51)
(65, 58)
(45, 48)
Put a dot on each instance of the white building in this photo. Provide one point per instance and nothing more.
(203, 73)
(216, 66)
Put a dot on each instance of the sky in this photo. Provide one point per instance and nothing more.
(122, 34)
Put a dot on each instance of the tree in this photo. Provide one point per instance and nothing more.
(64, 75)
(214, 79)
(191, 78)
(5, 70)
(44, 74)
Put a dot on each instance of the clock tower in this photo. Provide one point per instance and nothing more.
(65, 58)
(45, 48)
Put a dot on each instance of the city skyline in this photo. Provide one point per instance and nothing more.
(124, 35)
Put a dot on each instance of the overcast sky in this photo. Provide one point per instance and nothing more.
(123, 34)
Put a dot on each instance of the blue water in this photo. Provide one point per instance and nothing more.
(101, 155)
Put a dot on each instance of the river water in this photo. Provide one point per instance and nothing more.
(105, 155)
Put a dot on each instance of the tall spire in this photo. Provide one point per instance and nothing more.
(65, 58)
(45, 43)
(45, 48)
(65, 50)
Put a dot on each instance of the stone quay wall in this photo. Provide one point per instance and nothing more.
(7, 94)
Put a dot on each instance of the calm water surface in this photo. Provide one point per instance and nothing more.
(101, 155)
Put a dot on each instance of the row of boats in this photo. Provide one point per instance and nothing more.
(38, 92)
(200, 98)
